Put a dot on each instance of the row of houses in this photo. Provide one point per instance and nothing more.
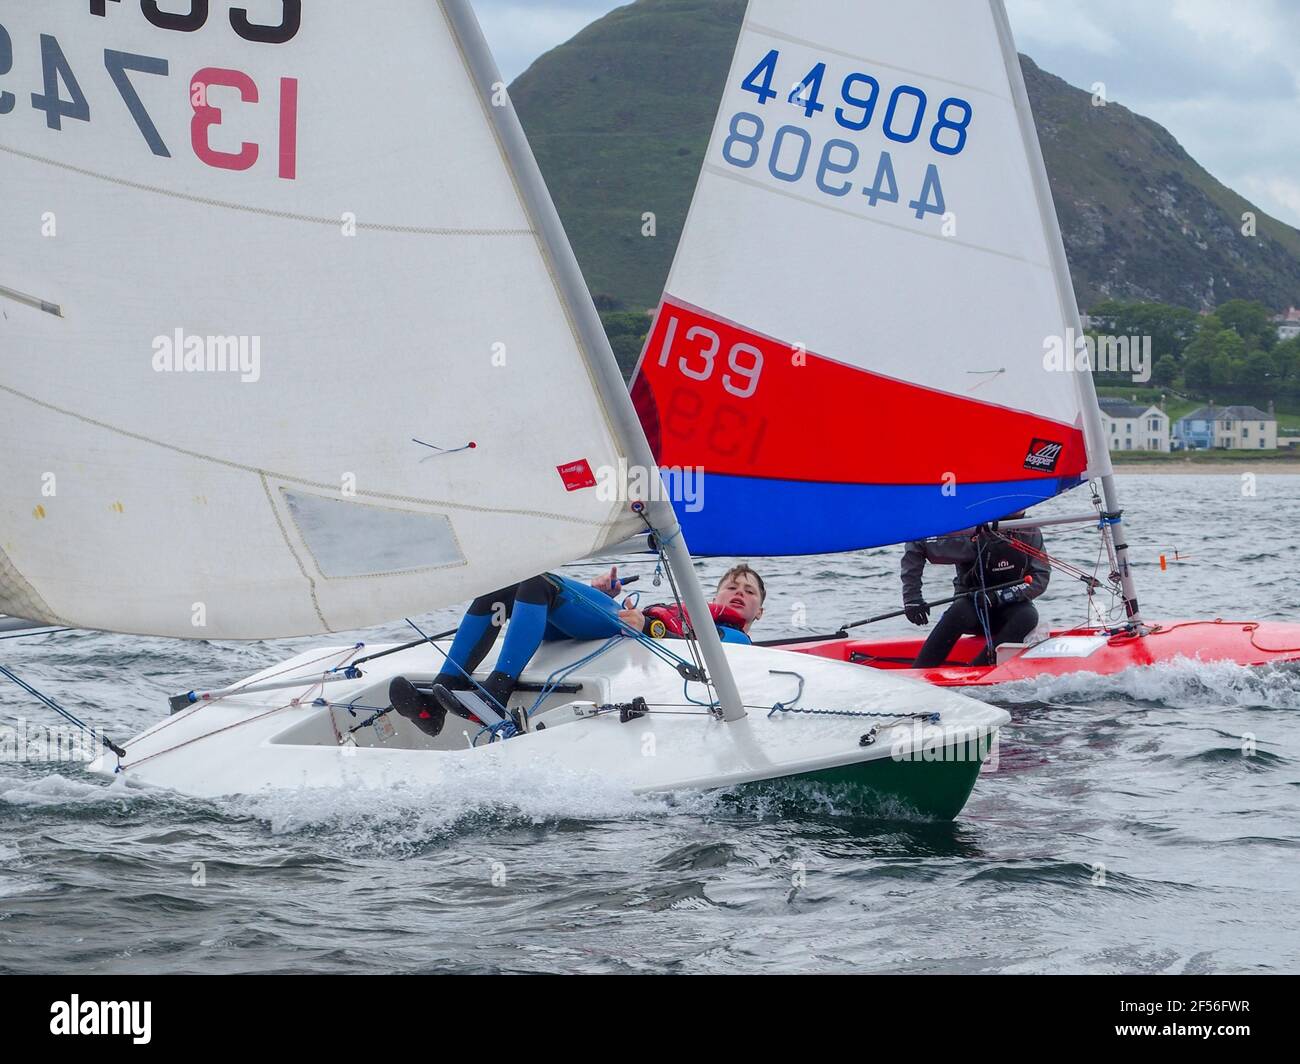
(1132, 426)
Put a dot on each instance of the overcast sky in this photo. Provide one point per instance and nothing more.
(1222, 75)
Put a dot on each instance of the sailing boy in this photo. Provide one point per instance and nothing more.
(550, 607)
(985, 561)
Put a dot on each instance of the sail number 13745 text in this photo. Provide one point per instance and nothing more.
(61, 98)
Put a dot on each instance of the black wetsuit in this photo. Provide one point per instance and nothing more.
(983, 561)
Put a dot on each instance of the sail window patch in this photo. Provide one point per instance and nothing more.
(349, 539)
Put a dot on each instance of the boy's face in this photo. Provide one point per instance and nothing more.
(741, 593)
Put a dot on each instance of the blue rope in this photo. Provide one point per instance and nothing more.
(653, 645)
(686, 693)
(503, 730)
(71, 718)
(46, 701)
(459, 668)
(981, 603)
(562, 673)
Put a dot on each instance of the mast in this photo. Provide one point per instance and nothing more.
(593, 342)
(1099, 464)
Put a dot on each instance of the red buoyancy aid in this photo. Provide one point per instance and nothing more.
(672, 620)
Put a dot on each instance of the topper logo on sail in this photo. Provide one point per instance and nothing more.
(1044, 456)
(179, 353)
(103, 1018)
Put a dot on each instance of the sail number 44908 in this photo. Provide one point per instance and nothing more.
(792, 156)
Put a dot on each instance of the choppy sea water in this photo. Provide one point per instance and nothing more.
(1124, 830)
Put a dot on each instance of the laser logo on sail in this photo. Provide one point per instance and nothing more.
(577, 475)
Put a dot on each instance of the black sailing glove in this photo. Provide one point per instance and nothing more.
(917, 612)
(1007, 596)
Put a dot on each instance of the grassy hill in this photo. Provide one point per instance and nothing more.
(620, 118)
(1142, 220)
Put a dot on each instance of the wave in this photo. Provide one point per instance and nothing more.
(406, 819)
(55, 790)
(1259, 761)
(1183, 684)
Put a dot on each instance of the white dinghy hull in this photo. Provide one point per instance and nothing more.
(911, 748)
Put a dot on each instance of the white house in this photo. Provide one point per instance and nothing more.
(1238, 428)
(1134, 427)
(1288, 324)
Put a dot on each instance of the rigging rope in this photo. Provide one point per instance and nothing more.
(1109, 617)
(692, 639)
(980, 601)
(40, 631)
(292, 703)
(71, 718)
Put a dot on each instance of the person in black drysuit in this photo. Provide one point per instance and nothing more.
(984, 560)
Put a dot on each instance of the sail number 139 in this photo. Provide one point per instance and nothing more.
(701, 359)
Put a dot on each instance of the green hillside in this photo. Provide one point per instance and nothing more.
(620, 118)
(1142, 220)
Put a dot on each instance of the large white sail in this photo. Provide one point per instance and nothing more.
(864, 338)
(250, 253)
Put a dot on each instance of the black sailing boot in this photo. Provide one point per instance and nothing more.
(494, 698)
(421, 710)
(501, 686)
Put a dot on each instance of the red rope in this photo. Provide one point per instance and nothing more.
(250, 720)
(1043, 556)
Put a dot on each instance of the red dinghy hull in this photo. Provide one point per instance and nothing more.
(1075, 650)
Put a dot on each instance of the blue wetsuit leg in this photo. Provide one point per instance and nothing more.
(582, 612)
(554, 607)
(523, 637)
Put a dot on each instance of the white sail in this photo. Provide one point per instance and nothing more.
(251, 254)
(863, 326)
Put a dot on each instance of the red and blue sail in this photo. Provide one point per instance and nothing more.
(795, 452)
(868, 335)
